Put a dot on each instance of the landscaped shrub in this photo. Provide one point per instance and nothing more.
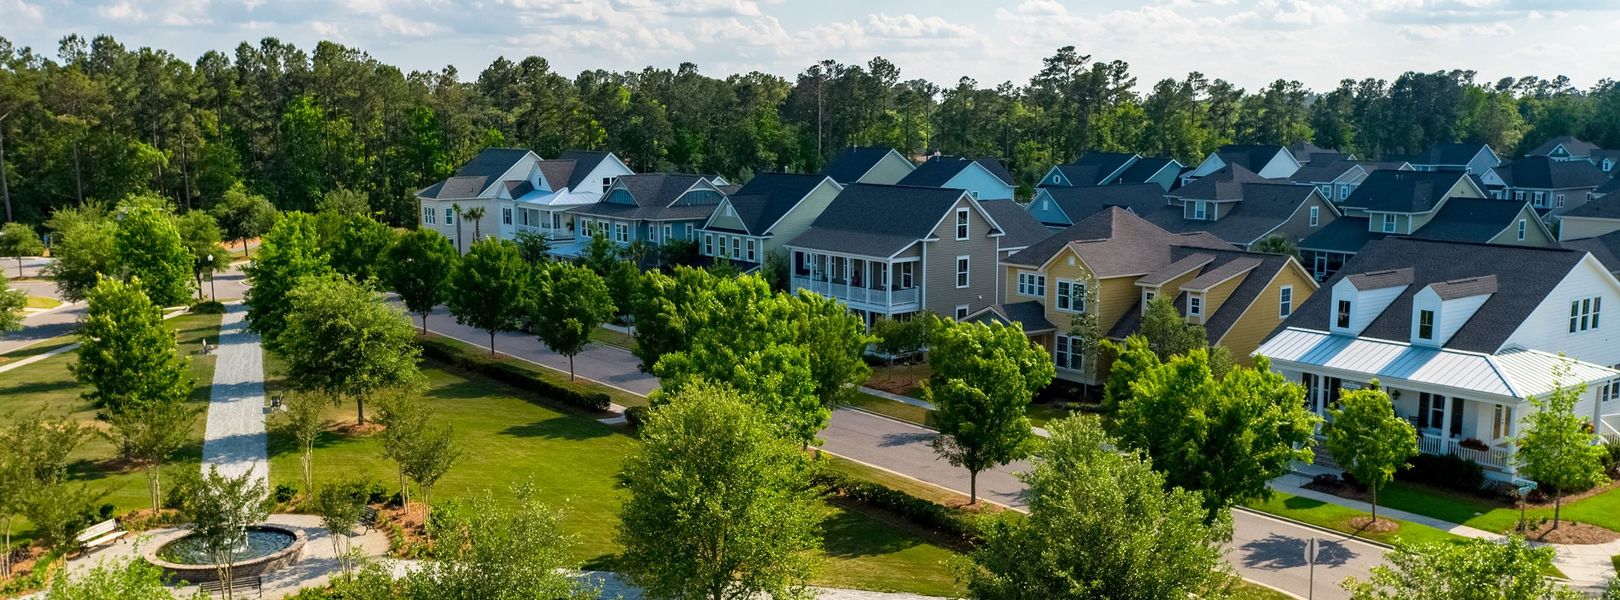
(1449, 471)
(636, 415)
(515, 376)
(931, 515)
(285, 492)
(209, 307)
(1611, 458)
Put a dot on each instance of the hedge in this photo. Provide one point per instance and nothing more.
(515, 376)
(931, 515)
(1449, 471)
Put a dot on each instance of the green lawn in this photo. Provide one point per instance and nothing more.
(573, 461)
(1602, 510)
(1337, 518)
(42, 302)
(47, 385)
(620, 397)
(1249, 591)
(610, 337)
(890, 408)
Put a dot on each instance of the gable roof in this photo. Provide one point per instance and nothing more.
(1094, 168)
(1265, 207)
(1081, 202)
(1253, 157)
(1114, 243)
(475, 176)
(1028, 314)
(1574, 146)
(1144, 168)
(1449, 155)
(1305, 152)
(659, 196)
(585, 161)
(938, 170)
(556, 172)
(1473, 220)
(763, 201)
(1344, 235)
(1223, 185)
(1541, 172)
(1521, 289)
(1214, 266)
(1019, 228)
(878, 220)
(1606, 206)
(1605, 248)
(852, 163)
(1403, 191)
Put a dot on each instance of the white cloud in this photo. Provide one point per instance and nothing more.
(1435, 33)
(1302, 13)
(21, 12)
(122, 11)
(409, 27)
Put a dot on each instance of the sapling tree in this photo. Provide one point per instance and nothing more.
(1557, 449)
(1366, 437)
(418, 268)
(220, 509)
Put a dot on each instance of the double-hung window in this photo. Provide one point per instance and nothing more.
(1031, 284)
(1608, 392)
(961, 271)
(1071, 296)
(1068, 353)
(1584, 314)
(1521, 229)
(906, 270)
(427, 215)
(1195, 305)
(1285, 301)
(736, 248)
(624, 233)
(1342, 318)
(1539, 199)
(708, 244)
(1502, 422)
(962, 223)
(506, 216)
(1389, 222)
(1200, 211)
(750, 247)
(449, 216)
(1426, 325)
(1316, 215)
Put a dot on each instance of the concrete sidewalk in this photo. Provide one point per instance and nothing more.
(235, 438)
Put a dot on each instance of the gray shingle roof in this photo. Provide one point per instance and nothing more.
(1574, 145)
(1378, 280)
(1212, 277)
(1464, 288)
(1403, 191)
(1605, 248)
(1094, 168)
(1031, 315)
(478, 174)
(1143, 168)
(1019, 229)
(585, 161)
(1114, 243)
(1604, 207)
(1471, 220)
(1081, 202)
(853, 162)
(1453, 155)
(458, 187)
(556, 172)
(1251, 156)
(878, 220)
(656, 196)
(1540, 172)
(1344, 235)
(1176, 269)
(1521, 289)
(1265, 206)
(762, 201)
(1264, 268)
(1223, 185)
(938, 170)
(1305, 152)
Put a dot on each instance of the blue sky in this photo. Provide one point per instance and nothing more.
(1249, 42)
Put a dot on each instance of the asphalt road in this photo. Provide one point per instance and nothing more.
(1263, 549)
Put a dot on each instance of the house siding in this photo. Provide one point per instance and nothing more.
(723, 221)
(1046, 210)
(1216, 296)
(1298, 225)
(1261, 318)
(888, 171)
(979, 180)
(799, 219)
(1061, 268)
(939, 277)
(1574, 228)
(1116, 295)
(1533, 234)
(1547, 327)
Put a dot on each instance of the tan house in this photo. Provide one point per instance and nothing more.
(1108, 265)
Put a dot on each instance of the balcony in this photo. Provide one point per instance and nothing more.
(861, 297)
(550, 233)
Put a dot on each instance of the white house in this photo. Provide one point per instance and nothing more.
(1460, 335)
(518, 192)
(1270, 162)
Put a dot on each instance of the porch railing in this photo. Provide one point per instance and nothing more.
(1496, 457)
(849, 292)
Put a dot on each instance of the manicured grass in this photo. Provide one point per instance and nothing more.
(602, 335)
(48, 386)
(1602, 509)
(890, 408)
(1250, 591)
(42, 302)
(620, 397)
(1337, 518)
(573, 461)
(926, 491)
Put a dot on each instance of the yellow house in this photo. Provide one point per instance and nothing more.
(1107, 266)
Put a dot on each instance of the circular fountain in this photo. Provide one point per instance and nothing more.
(264, 548)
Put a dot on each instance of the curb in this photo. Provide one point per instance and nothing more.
(1325, 530)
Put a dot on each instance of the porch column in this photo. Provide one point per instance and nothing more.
(888, 283)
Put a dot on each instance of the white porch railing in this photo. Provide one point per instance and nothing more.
(547, 231)
(1610, 429)
(1495, 457)
(854, 293)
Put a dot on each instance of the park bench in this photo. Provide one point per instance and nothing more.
(368, 517)
(100, 534)
(238, 584)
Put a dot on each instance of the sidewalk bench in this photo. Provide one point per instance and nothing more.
(100, 534)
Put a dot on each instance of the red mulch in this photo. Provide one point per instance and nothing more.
(1366, 525)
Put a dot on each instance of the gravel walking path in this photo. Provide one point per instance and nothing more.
(235, 440)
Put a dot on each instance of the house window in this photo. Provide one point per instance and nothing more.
(961, 271)
(1431, 411)
(1046, 204)
(1068, 353)
(1199, 210)
(1518, 195)
(606, 183)
(1195, 306)
(1326, 190)
(1502, 422)
(729, 212)
(708, 244)
(1389, 223)
(1344, 191)
(1031, 284)
(1609, 391)
(906, 269)
(1148, 296)
(449, 216)
(1071, 296)
(585, 228)
(1343, 316)
(1584, 313)
(1426, 325)
(736, 248)
(506, 216)
(750, 250)
(1539, 200)
(961, 311)
(624, 233)
(689, 235)
(669, 234)
(1558, 201)
(1316, 215)
(1285, 301)
(427, 215)
(1607, 165)
(961, 223)
(1521, 229)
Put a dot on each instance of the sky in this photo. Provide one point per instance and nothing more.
(1248, 42)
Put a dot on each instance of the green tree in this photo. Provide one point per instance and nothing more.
(623, 282)
(342, 340)
(1557, 450)
(984, 378)
(149, 248)
(491, 548)
(304, 418)
(1472, 569)
(220, 508)
(1278, 245)
(569, 302)
(126, 356)
(836, 340)
(32, 470)
(12, 303)
(487, 288)
(1227, 437)
(125, 579)
(476, 215)
(359, 248)
(533, 247)
(777, 269)
(339, 506)
(431, 455)
(1101, 524)
(290, 251)
(418, 268)
(720, 506)
(1167, 332)
(404, 417)
(202, 237)
(18, 240)
(148, 433)
(897, 338)
(1366, 437)
(344, 202)
(600, 254)
(86, 248)
(244, 215)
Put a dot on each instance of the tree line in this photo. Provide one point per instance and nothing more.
(99, 120)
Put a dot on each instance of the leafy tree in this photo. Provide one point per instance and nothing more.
(339, 506)
(86, 248)
(1558, 450)
(490, 548)
(342, 340)
(487, 288)
(431, 455)
(148, 433)
(220, 508)
(149, 248)
(12, 303)
(902, 338)
(126, 356)
(126, 579)
(1473, 569)
(18, 240)
(600, 254)
(984, 378)
(201, 235)
(720, 506)
(533, 247)
(1167, 332)
(289, 252)
(1101, 524)
(623, 282)
(345, 202)
(836, 340)
(777, 269)
(1278, 245)
(31, 473)
(244, 215)
(304, 418)
(569, 302)
(418, 268)
(404, 417)
(1227, 437)
(1364, 435)
(359, 247)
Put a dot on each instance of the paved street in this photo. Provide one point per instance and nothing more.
(1263, 549)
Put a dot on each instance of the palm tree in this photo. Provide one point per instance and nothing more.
(477, 216)
(1277, 245)
(456, 208)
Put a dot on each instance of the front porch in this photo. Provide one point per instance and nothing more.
(870, 285)
(1477, 430)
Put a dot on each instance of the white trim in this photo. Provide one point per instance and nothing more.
(963, 277)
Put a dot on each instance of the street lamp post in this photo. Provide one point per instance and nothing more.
(211, 294)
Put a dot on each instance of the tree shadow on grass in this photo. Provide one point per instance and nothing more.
(560, 428)
(38, 387)
(848, 534)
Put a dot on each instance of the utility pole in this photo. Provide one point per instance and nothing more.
(5, 186)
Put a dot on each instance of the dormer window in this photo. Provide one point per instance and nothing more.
(1148, 296)
(1200, 212)
(606, 183)
(1389, 223)
(1608, 164)
(961, 223)
(1195, 306)
(1341, 317)
(1426, 325)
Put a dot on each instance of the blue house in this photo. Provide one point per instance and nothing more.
(984, 178)
(654, 207)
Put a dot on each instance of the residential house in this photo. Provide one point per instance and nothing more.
(763, 215)
(1605, 159)
(1112, 262)
(1270, 162)
(1336, 177)
(1158, 170)
(889, 250)
(518, 192)
(1605, 248)
(1019, 228)
(1060, 207)
(1460, 335)
(655, 208)
(1565, 147)
(1306, 152)
(1468, 158)
(1592, 219)
(1113, 168)
(984, 178)
(1487, 221)
(1237, 205)
(1550, 185)
(870, 164)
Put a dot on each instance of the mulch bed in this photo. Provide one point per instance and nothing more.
(1569, 532)
(1367, 525)
(352, 429)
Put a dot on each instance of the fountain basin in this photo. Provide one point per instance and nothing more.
(269, 547)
